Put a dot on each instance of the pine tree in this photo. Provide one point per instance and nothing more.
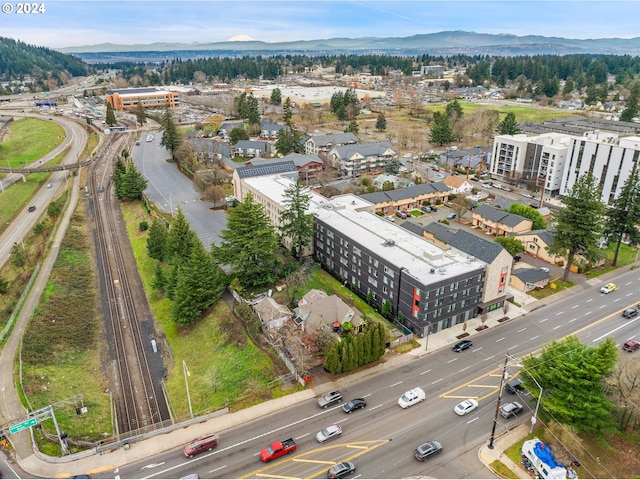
(170, 136)
(622, 217)
(159, 278)
(157, 240)
(110, 118)
(441, 130)
(382, 338)
(181, 240)
(295, 223)
(254, 111)
(632, 104)
(131, 185)
(172, 281)
(200, 284)
(579, 224)
(508, 126)
(19, 256)
(288, 111)
(238, 133)
(381, 122)
(358, 341)
(249, 244)
(276, 96)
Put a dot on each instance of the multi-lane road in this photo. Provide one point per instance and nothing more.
(380, 439)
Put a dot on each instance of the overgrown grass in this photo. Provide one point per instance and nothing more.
(226, 371)
(553, 287)
(58, 347)
(29, 139)
(502, 470)
(522, 113)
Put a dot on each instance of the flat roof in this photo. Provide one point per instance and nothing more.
(352, 215)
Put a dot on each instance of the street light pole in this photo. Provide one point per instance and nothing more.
(535, 413)
(187, 373)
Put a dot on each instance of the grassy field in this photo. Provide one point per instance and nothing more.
(28, 140)
(523, 113)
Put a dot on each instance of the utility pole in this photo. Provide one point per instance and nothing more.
(492, 440)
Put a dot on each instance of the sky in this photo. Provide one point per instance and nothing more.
(70, 23)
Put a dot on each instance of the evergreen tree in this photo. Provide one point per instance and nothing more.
(241, 106)
(295, 223)
(110, 118)
(172, 281)
(288, 111)
(249, 244)
(358, 342)
(200, 284)
(579, 224)
(181, 240)
(632, 104)
(19, 256)
(141, 115)
(332, 360)
(454, 110)
(508, 125)
(131, 185)
(276, 96)
(375, 342)
(622, 217)
(381, 122)
(238, 133)
(160, 280)
(170, 136)
(254, 112)
(382, 338)
(39, 229)
(352, 127)
(573, 378)
(157, 240)
(441, 130)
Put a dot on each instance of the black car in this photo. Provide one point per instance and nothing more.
(427, 449)
(32, 208)
(630, 313)
(354, 404)
(463, 345)
(514, 386)
(341, 469)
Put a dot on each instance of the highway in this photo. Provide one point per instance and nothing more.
(381, 438)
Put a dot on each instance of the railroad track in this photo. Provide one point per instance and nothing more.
(138, 402)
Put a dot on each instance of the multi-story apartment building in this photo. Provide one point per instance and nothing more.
(426, 285)
(354, 160)
(534, 162)
(324, 143)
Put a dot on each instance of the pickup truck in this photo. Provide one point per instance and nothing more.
(277, 449)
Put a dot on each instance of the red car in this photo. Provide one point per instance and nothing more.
(631, 345)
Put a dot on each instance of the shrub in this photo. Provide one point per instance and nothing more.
(144, 226)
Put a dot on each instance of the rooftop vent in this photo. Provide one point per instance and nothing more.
(433, 270)
(389, 243)
(442, 270)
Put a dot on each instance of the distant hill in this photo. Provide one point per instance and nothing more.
(442, 43)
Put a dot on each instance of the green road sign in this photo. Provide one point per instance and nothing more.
(22, 426)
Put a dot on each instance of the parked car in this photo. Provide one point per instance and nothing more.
(510, 409)
(514, 386)
(608, 288)
(463, 345)
(630, 313)
(329, 399)
(401, 215)
(332, 431)
(631, 345)
(426, 209)
(411, 397)
(451, 216)
(466, 406)
(341, 469)
(201, 444)
(434, 209)
(355, 404)
(427, 450)
(544, 269)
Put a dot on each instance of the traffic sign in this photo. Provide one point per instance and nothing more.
(22, 426)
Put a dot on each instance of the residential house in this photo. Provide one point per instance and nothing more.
(226, 128)
(498, 222)
(269, 130)
(354, 160)
(398, 182)
(527, 279)
(208, 150)
(270, 312)
(476, 159)
(324, 143)
(309, 166)
(408, 198)
(317, 310)
(251, 149)
(459, 185)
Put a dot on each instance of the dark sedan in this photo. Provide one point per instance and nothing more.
(355, 404)
(463, 345)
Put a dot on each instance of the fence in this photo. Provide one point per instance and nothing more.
(400, 340)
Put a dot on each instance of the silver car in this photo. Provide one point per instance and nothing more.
(328, 433)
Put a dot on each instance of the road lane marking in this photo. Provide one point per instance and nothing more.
(425, 372)
(395, 384)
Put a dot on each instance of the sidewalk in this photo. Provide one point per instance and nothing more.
(90, 462)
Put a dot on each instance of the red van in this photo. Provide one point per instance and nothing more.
(199, 445)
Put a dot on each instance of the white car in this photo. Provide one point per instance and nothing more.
(466, 406)
(608, 288)
(328, 433)
(411, 397)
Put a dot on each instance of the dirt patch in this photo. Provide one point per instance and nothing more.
(462, 335)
